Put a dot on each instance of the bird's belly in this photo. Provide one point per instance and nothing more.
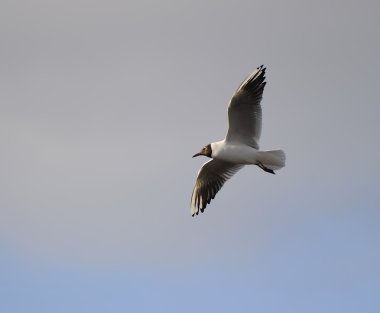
(238, 154)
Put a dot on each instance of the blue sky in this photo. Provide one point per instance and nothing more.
(104, 103)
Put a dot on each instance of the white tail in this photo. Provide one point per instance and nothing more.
(274, 159)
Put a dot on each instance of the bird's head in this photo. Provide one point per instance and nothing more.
(206, 151)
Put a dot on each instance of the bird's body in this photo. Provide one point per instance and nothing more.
(234, 152)
(240, 147)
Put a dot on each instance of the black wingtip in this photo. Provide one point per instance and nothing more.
(196, 213)
(262, 67)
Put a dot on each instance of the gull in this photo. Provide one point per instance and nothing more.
(240, 146)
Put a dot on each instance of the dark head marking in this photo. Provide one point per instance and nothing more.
(206, 151)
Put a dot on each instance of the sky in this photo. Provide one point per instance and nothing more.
(102, 105)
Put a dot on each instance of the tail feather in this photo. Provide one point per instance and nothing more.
(273, 159)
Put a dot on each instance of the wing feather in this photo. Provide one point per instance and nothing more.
(211, 178)
(244, 110)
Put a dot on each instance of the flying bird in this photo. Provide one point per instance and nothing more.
(240, 146)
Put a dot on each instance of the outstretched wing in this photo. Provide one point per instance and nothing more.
(211, 177)
(244, 110)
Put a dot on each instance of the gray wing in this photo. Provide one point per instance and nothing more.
(244, 110)
(211, 177)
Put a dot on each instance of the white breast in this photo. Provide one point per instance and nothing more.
(234, 152)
